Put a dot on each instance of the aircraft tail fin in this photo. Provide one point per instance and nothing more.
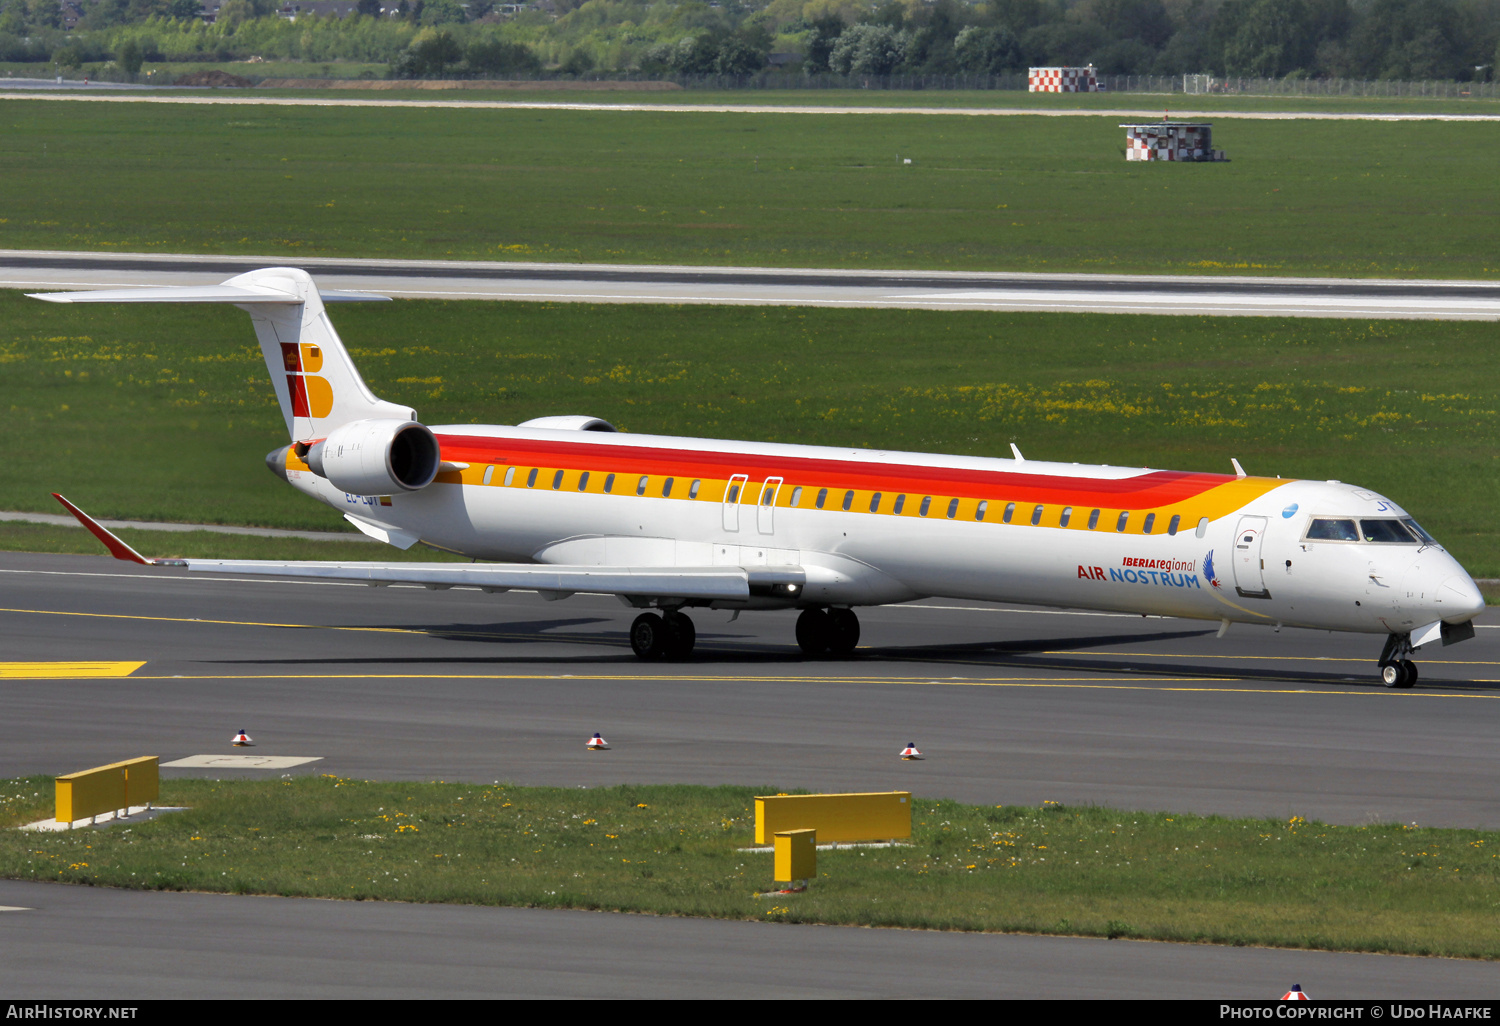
(316, 382)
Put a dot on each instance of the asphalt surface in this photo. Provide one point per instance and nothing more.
(67, 942)
(1008, 704)
(607, 283)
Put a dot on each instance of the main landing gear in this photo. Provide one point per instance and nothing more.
(1397, 671)
(670, 635)
(835, 631)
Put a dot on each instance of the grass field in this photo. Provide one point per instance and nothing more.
(672, 850)
(166, 413)
(1020, 193)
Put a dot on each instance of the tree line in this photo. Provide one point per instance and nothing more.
(1362, 39)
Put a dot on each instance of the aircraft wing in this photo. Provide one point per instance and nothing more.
(701, 584)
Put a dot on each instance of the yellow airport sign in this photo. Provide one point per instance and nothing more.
(92, 792)
(838, 818)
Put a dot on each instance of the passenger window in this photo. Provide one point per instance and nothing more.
(981, 510)
(734, 494)
(1332, 530)
(848, 500)
(583, 481)
(1124, 519)
(926, 505)
(796, 496)
(1202, 527)
(1172, 525)
(666, 488)
(1385, 531)
(1010, 511)
(557, 480)
(510, 475)
(1093, 520)
(640, 486)
(693, 489)
(875, 503)
(1150, 523)
(822, 497)
(1067, 514)
(1036, 515)
(489, 472)
(900, 502)
(768, 497)
(952, 509)
(609, 484)
(531, 478)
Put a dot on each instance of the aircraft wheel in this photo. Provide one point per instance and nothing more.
(648, 636)
(1411, 672)
(812, 631)
(681, 635)
(1396, 675)
(844, 631)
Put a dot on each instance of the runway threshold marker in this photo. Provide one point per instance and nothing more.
(910, 753)
(597, 744)
(242, 740)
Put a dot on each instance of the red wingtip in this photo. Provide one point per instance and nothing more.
(116, 547)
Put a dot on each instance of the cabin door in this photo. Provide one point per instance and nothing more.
(734, 494)
(765, 509)
(1249, 564)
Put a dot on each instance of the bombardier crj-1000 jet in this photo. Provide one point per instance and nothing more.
(566, 505)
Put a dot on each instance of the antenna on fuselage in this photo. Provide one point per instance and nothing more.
(1017, 453)
(1239, 471)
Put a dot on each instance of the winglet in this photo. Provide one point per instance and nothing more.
(117, 548)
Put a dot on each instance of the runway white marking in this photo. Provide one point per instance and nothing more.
(738, 108)
(242, 761)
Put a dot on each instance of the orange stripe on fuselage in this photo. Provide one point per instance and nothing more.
(1151, 490)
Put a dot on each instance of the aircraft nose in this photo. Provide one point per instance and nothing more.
(1461, 599)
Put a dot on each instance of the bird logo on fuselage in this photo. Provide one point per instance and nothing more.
(1208, 569)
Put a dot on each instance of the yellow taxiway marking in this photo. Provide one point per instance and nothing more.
(1281, 658)
(1093, 683)
(74, 669)
(223, 623)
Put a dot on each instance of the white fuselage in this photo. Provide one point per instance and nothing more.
(1239, 550)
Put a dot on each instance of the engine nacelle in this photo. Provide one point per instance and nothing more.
(377, 457)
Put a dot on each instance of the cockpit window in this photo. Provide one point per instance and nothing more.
(1416, 529)
(1332, 530)
(1388, 531)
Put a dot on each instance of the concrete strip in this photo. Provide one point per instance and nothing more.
(63, 520)
(741, 108)
(906, 289)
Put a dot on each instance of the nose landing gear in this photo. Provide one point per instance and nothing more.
(1396, 671)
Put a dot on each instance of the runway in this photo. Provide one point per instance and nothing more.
(1010, 705)
(47, 91)
(933, 290)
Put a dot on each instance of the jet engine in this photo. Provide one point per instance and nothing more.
(376, 457)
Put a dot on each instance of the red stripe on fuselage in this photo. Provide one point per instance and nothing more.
(1143, 491)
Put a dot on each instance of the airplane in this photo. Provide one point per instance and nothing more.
(564, 505)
